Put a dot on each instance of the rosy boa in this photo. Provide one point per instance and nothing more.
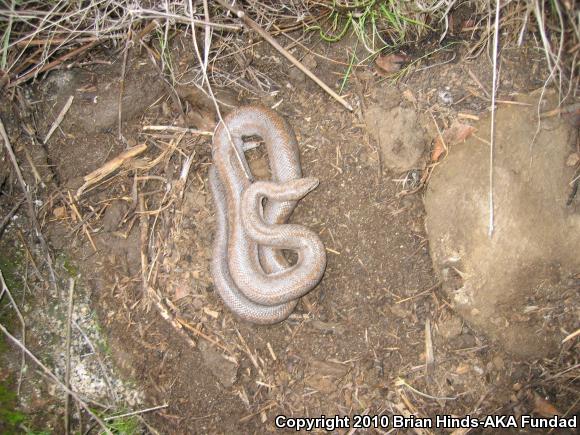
(250, 273)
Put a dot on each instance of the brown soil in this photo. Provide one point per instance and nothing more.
(357, 343)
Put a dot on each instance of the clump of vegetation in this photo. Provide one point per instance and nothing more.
(10, 417)
(38, 36)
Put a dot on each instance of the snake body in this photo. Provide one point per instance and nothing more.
(251, 275)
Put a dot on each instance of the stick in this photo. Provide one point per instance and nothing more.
(177, 129)
(100, 173)
(210, 90)
(59, 118)
(142, 411)
(492, 132)
(54, 63)
(71, 289)
(148, 291)
(7, 218)
(55, 378)
(256, 27)
(31, 212)
(4, 289)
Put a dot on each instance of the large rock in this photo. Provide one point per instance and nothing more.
(517, 285)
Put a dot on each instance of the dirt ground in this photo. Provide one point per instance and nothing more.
(359, 342)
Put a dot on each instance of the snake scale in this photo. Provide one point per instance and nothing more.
(248, 268)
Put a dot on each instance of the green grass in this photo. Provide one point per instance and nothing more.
(124, 426)
(378, 24)
(10, 417)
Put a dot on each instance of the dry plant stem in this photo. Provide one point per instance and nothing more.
(112, 392)
(170, 89)
(256, 27)
(177, 129)
(207, 40)
(55, 378)
(206, 337)
(35, 172)
(75, 210)
(142, 411)
(71, 289)
(59, 118)
(128, 45)
(11, 213)
(4, 289)
(31, 212)
(100, 173)
(429, 353)
(571, 336)
(54, 63)
(210, 90)
(148, 291)
(492, 132)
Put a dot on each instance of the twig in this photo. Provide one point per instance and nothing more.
(11, 213)
(128, 45)
(59, 118)
(492, 132)
(213, 98)
(256, 27)
(33, 168)
(401, 382)
(100, 173)
(3, 290)
(206, 337)
(28, 197)
(112, 392)
(129, 414)
(55, 379)
(148, 291)
(54, 63)
(571, 336)
(429, 354)
(71, 289)
(177, 129)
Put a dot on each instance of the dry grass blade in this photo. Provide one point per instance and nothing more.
(4, 290)
(58, 382)
(59, 118)
(256, 27)
(492, 133)
(31, 212)
(71, 290)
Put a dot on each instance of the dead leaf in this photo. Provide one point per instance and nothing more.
(391, 63)
(408, 95)
(59, 212)
(458, 132)
(438, 148)
(544, 408)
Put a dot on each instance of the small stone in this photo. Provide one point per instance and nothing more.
(573, 159)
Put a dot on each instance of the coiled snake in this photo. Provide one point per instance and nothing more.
(250, 273)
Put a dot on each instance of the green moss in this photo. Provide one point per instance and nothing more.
(10, 417)
(68, 265)
(125, 426)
